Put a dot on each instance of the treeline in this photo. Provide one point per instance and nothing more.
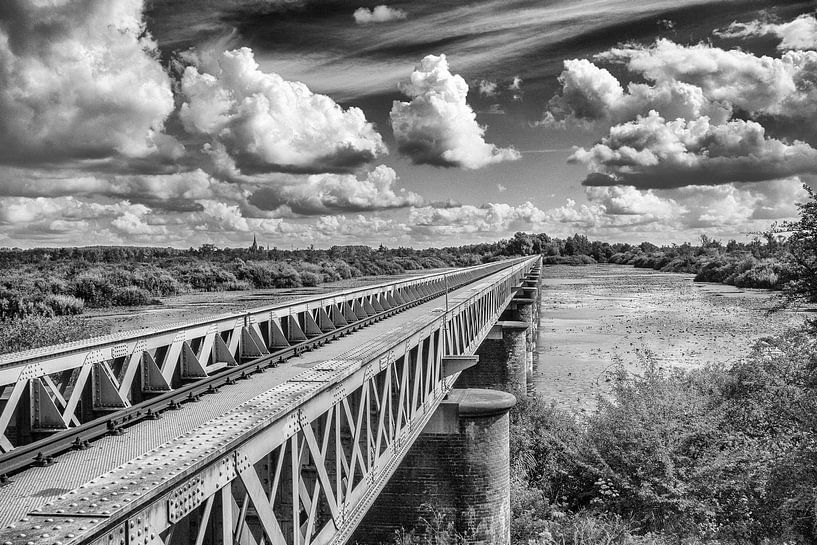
(64, 281)
(765, 262)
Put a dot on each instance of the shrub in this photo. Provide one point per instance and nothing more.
(64, 305)
(712, 455)
(132, 296)
(94, 289)
(309, 278)
(270, 274)
(568, 260)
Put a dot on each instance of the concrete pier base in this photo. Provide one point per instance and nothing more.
(503, 360)
(456, 472)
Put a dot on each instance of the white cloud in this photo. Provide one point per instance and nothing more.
(327, 193)
(590, 93)
(800, 33)
(360, 227)
(134, 222)
(628, 201)
(740, 205)
(80, 80)
(378, 14)
(653, 153)
(489, 218)
(438, 127)
(73, 216)
(266, 123)
(784, 86)
(487, 88)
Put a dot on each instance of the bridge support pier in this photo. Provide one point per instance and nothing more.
(503, 360)
(457, 472)
(526, 309)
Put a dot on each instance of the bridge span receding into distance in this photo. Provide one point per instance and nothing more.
(332, 419)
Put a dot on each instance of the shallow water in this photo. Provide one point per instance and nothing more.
(595, 317)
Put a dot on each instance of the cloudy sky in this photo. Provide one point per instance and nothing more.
(180, 122)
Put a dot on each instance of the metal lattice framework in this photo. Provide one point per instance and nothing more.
(299, 464)
(79, 391)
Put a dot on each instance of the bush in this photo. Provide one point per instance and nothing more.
(94, 289)
(568, 260)
(309, 278)
(712, 455)
(64, 305)
(132, 296)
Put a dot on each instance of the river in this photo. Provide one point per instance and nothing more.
(597, 316)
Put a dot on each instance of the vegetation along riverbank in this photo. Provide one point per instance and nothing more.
(718, 454)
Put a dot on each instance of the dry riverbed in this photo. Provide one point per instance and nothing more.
(594, 317)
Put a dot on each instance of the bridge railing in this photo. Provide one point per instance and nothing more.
(299, 464)
(69, 394)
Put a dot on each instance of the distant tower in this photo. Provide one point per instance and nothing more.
(254, 247)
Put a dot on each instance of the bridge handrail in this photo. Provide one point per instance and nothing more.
(16, 359)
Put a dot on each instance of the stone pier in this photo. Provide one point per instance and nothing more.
(503, 360)
(506, 354)
(458, 472)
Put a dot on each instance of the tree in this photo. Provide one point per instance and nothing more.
(803, 252)
(520, 244)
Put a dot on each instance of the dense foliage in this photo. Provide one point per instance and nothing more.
(714, 455)
(65, 281)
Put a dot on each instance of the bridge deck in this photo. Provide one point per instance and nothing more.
(38, 485)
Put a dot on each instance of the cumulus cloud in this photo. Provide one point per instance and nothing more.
(629, 201)
(359, 227)
(777, 86)
(653, 153)
(437, 126)
(178, 191)
(80, 80)
(689, 82)
(487, 88)
(691, 207)
(134, 222)
(66, 214)
(800, 33)
(590, 93)
(378, 14)
(488, 218)
(327, 193)
(265, 123)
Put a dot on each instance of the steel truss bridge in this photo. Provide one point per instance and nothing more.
(276, 426)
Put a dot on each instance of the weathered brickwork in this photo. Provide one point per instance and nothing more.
(463, 477)
(503, 364)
